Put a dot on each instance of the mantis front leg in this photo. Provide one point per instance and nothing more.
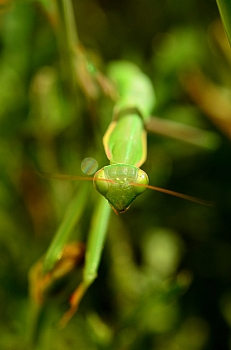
(95, 244)
(46, 271)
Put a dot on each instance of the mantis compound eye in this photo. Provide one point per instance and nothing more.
(100, 185)
(141, 182)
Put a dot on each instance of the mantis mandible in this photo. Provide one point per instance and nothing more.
(120, 182)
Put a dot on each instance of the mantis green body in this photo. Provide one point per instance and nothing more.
(125, 141)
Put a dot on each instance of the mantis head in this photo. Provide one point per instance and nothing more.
(123, 183)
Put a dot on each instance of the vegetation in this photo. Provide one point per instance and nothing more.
(164, 277)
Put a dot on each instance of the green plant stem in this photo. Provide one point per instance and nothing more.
(69, 22)
(224, 7)
(68, 41)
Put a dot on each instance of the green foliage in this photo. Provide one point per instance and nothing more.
(164, 279)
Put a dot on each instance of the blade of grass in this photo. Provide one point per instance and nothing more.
(224, 7)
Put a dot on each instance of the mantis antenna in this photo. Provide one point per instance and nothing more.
(151, 187)
(177, 194)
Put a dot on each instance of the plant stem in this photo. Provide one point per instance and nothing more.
(224, 7)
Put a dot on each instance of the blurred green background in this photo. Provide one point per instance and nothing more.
(165, 278)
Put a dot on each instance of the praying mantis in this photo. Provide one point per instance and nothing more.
(125, 141)
(126, 153)
(119, 183)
